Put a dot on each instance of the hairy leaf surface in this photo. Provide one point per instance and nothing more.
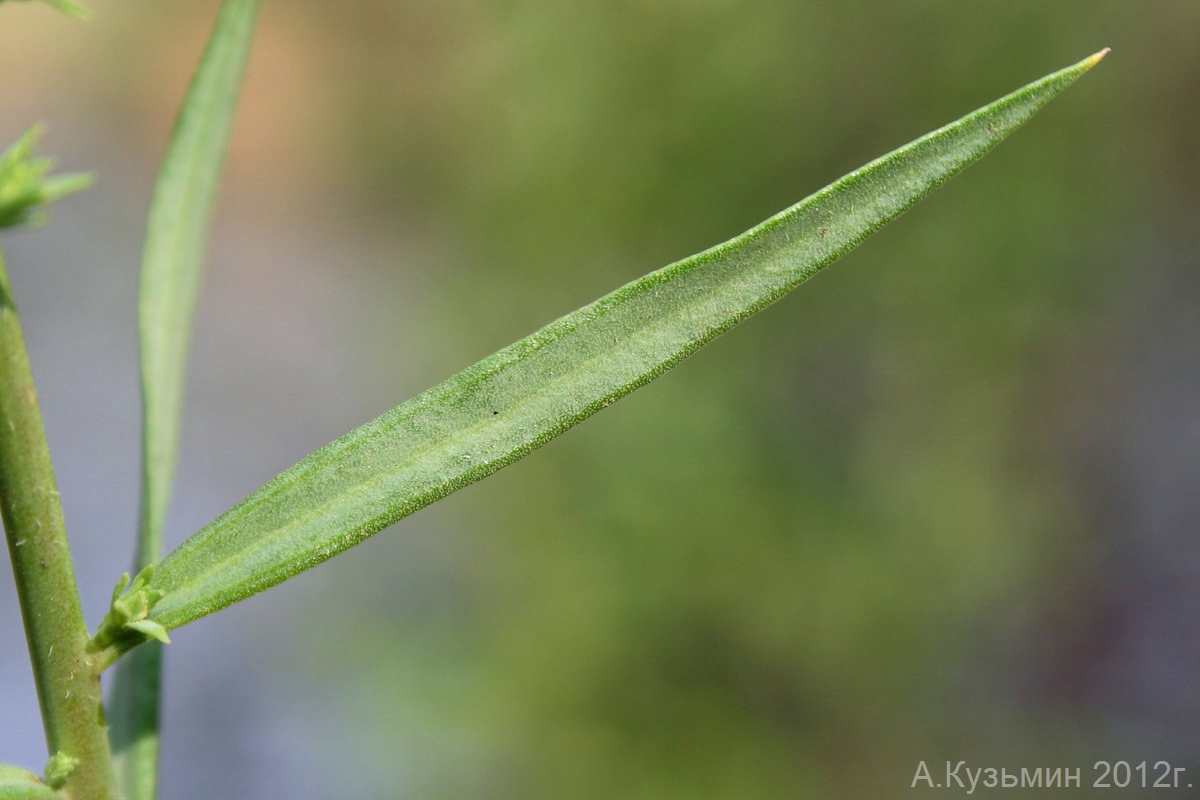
(17, 784)
(512, 402)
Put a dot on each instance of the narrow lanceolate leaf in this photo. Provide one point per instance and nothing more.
(176, 230)
(512, 402)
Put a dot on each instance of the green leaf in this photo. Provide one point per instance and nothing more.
(516, 400)
(17, 784)
(24, 188)
(59, 768)
(127, 612)
(71, 8)
(176, 232)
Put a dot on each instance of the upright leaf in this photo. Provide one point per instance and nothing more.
(512, 402)
(176, 231)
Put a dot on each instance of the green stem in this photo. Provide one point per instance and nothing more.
(67, 679)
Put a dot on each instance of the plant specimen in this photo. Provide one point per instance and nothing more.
(453, 434)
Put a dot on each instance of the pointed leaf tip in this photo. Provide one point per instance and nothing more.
(25, 189)
(512, 402)
(1095, 59)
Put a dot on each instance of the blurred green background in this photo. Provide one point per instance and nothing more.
(939, 504)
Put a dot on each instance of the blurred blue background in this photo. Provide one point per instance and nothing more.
(941, 503)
